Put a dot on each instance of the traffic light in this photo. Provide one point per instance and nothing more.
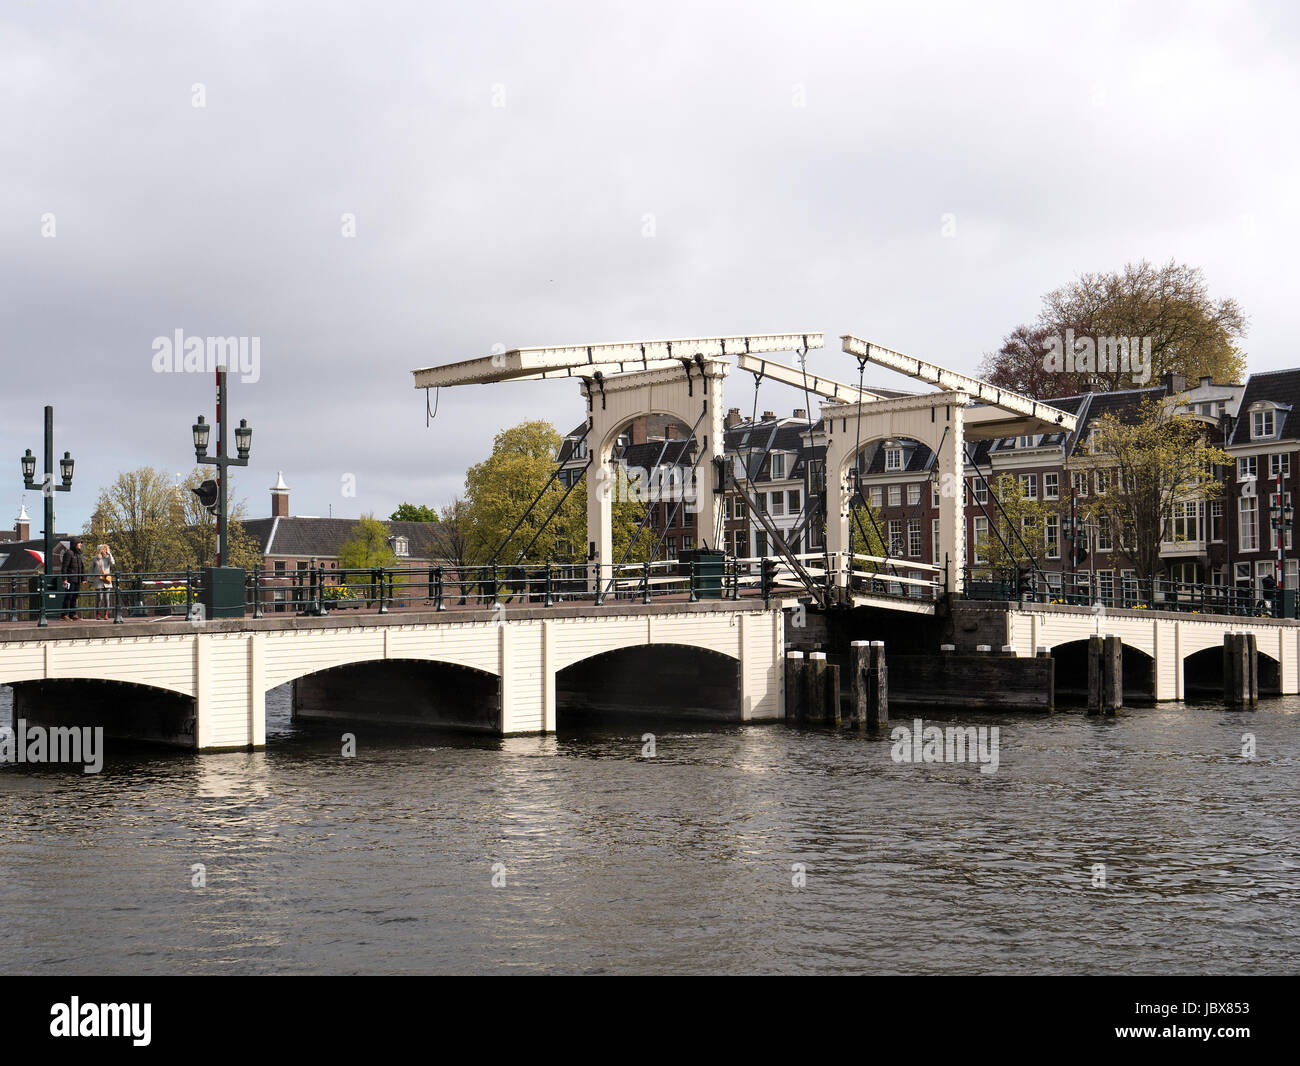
(207, 494)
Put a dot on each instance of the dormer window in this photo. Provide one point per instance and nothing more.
(893, 458)
(1261, 424)
(778, 465)
(401, 547)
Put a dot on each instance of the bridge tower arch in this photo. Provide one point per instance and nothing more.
(692, 395)
(933, 419)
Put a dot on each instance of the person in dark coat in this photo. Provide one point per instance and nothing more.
(74, 572)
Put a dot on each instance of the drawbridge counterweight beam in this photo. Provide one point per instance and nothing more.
(951, 381)
(584, 360)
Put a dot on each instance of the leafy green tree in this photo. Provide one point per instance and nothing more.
(410, 512)
(499, 490)
(1017, 534)
(137, 516)
(1191, 333)
(1148, 465)
(367, 547)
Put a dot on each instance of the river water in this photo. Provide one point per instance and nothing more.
(611, 862)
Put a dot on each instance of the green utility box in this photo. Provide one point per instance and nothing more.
(222, 594)
(710, 565)
(54, 594)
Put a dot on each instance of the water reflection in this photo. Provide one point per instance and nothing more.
(616, 862)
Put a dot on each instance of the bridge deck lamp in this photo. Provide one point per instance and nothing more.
(243, 438)
(200, 430)
(48, 489)
(223, 585)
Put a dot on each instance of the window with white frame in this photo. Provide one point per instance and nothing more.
(895, 495)
(778, 503)
(914, 539)
(934, 541)
(1029, 486)
(877, 497)
(934, 493)
(896, 543)
(1216, 521)
(1106, 586)
(1051, 487)
(1104, 541)
(1025, 442)
(401, 546)
(1247, 467)
(1279, 463)
(1052, 536)
(1185, 522)
(893, 458)
(739, 510)
(981, 529)
(913, 495)
(1102, 482)
(1128, 584)
(1261, 425)
(981, 490)
(1248, 523)
(777, 469)
(1080, 482)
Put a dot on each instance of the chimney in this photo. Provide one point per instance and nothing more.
(769, 416)
(637, 431)
(670, 431)
(1174, 383)
(1206, 381)
(280, 497)
(801, 414)
(22, 525)
(734, 417)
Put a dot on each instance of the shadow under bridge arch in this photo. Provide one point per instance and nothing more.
(649, 681)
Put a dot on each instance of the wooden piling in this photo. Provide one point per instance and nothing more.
(870, 704)
(878, 707)
(796, 669)
(815, 673)
(1240, 669)
(1094, 674)
(831, 689)
(1105, 674)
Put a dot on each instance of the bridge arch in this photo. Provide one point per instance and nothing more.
(399, 691)
(1202, 673)
(932, 419)
(1071, 657)
(659, 679)
(691, 395)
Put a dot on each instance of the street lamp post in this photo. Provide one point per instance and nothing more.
(222, 575)
(48, 489)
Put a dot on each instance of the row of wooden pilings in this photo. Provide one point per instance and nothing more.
(1106, 672)
(812, 687)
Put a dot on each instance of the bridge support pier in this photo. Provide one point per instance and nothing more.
(1105, 674)
(870, 684)
(1240, 669)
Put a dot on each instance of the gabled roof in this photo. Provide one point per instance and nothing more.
(324, 537)
(647, 455)
(1279, 387)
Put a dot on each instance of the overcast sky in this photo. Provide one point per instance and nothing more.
(796, 162)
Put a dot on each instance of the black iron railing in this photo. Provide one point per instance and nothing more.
(1087, 588)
